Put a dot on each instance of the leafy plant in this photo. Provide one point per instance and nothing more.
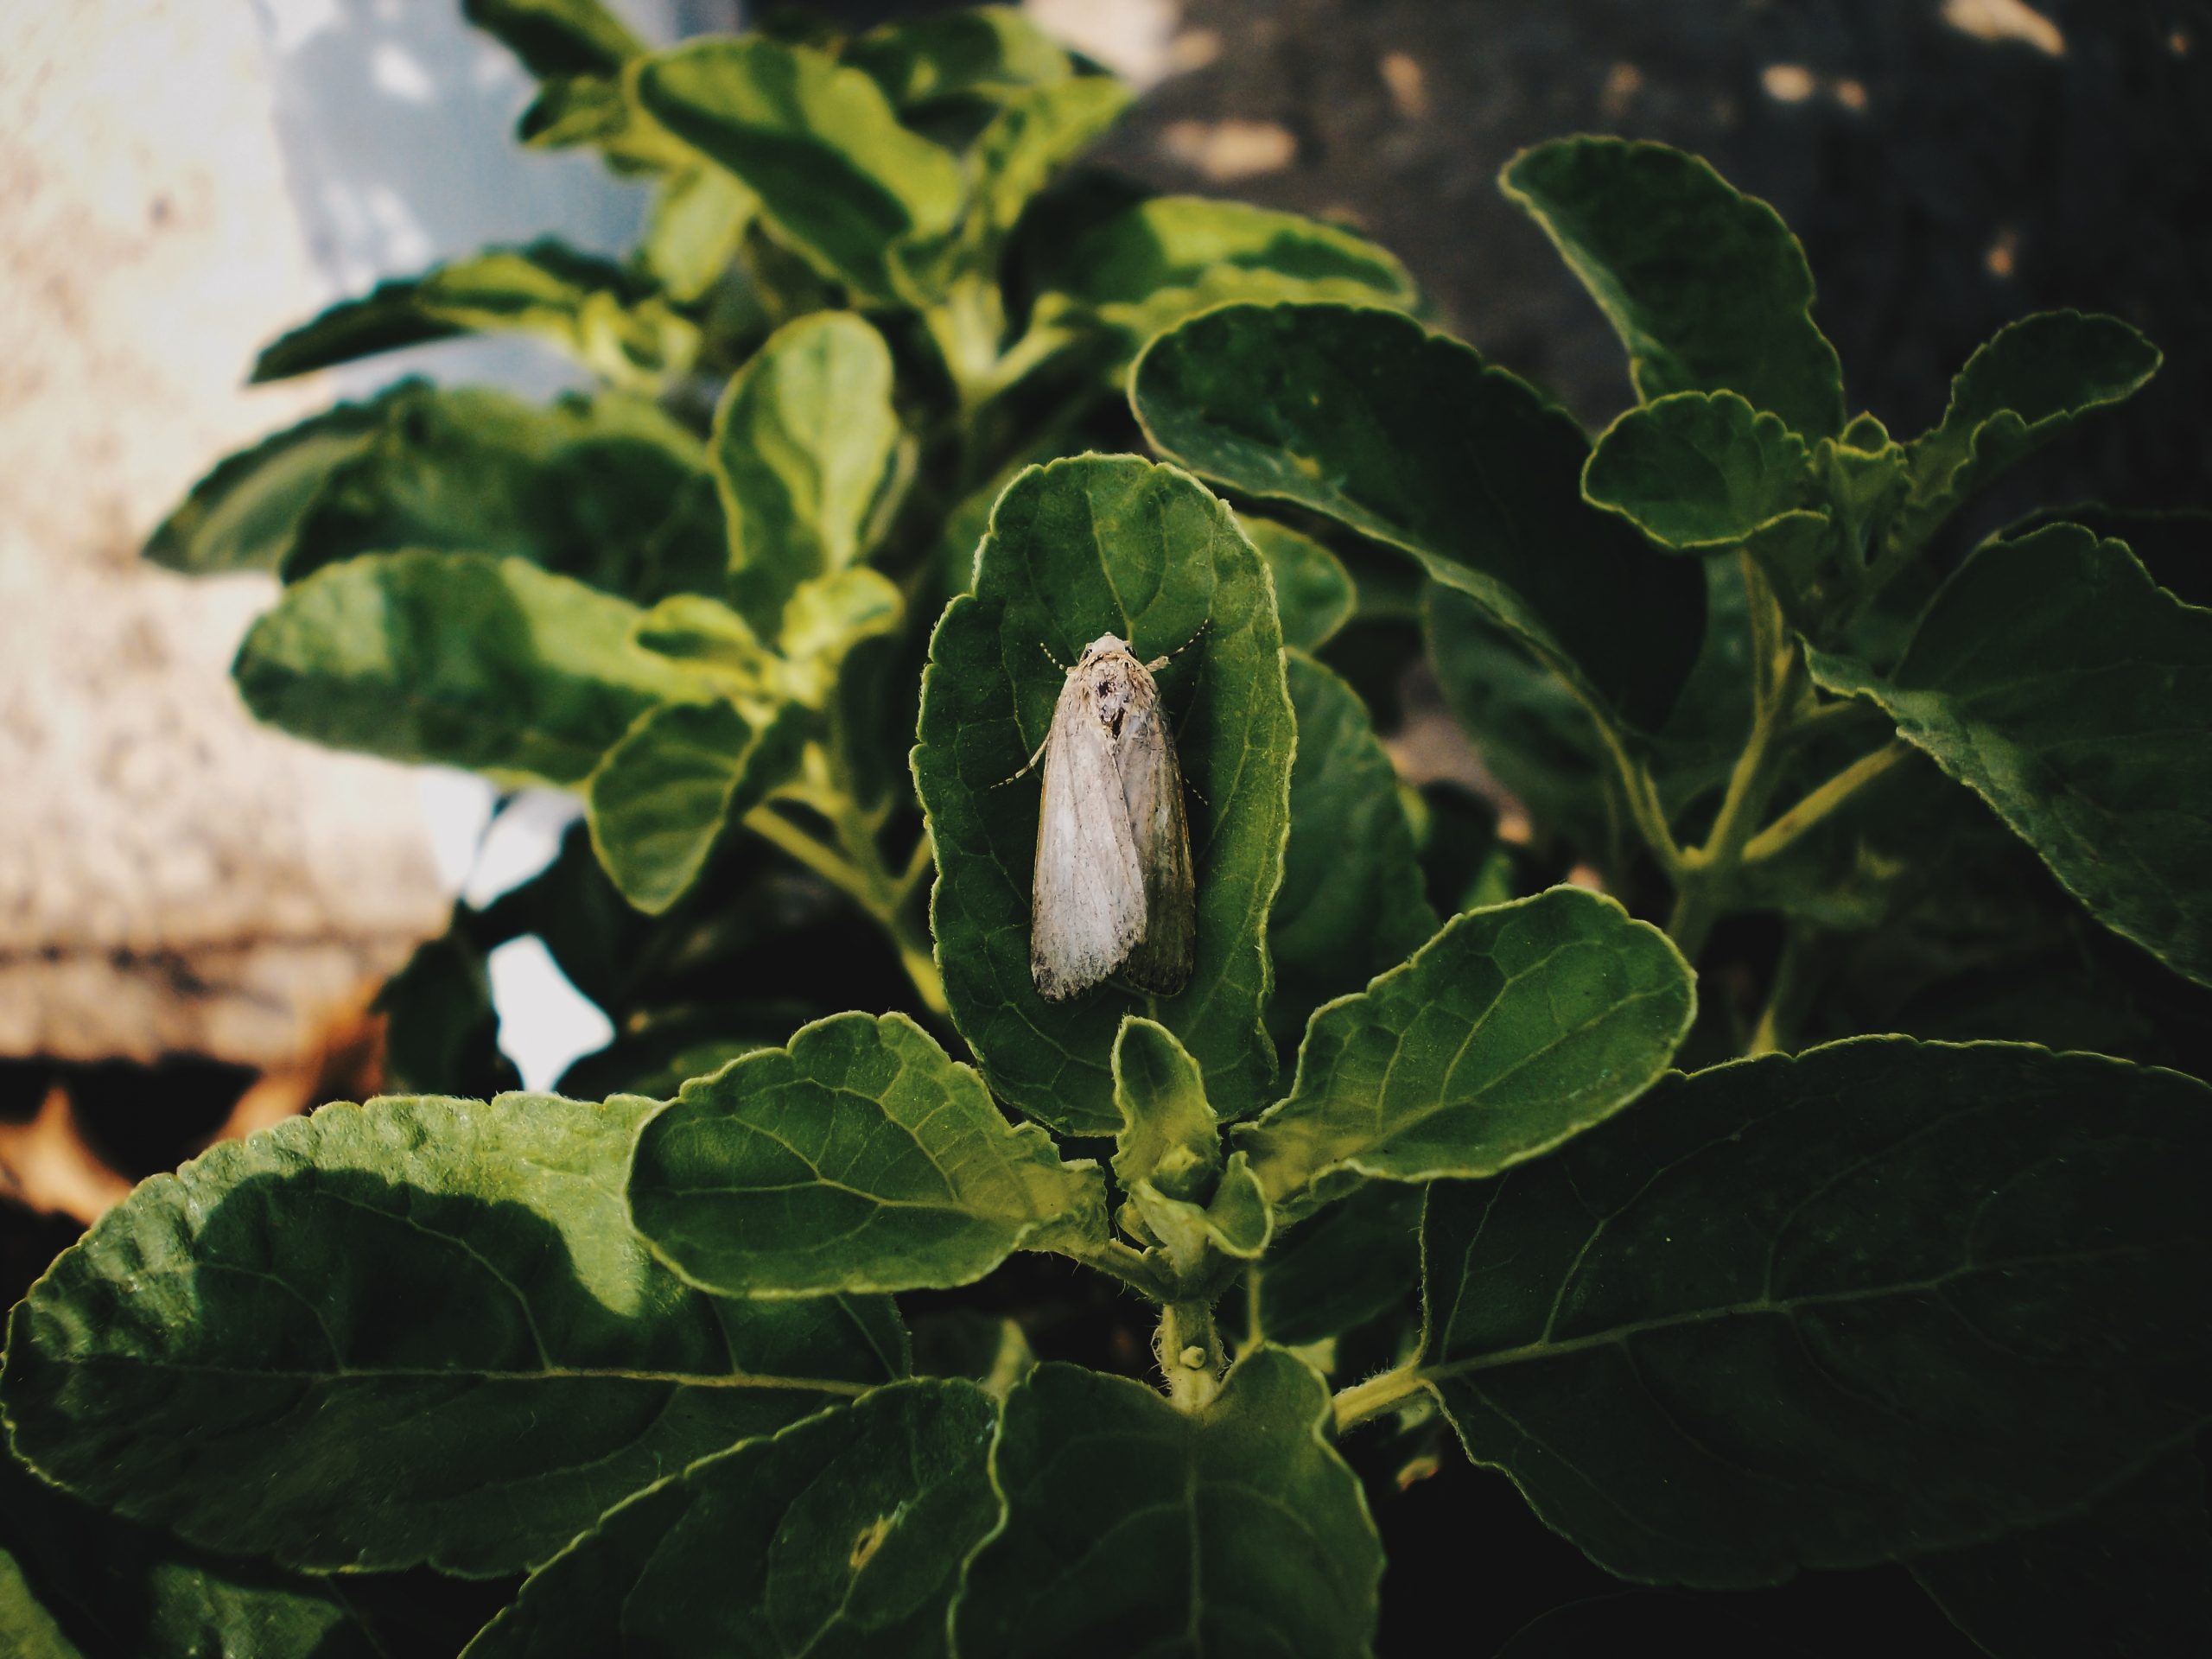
(1874, 1276)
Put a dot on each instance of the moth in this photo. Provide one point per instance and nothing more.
(1113, 892)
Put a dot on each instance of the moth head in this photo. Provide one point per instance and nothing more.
(1106, 645)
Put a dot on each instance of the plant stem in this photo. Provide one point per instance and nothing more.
(1188, 1347)
(1819, 803)
(860, 877)
(1794, 979)
(1371, 1398)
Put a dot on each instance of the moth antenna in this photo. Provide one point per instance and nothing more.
(1029, 766)
(1055, 662)
(1159, 663)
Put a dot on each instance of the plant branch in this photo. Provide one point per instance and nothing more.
(1819, 803)
(1364, 1401)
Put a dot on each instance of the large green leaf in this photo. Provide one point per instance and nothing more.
(2132, 1574)
(817, 142)
(419, 1329)
(1313, 591)
(660, 797)
(2033, 381)
(124, 1589)
(856, 1158)
(608, 489)
(841, 1534)
(2054, 678)
(1131, 1527)
(1512, 1030)
(1079, 548)
(609, 317)
(1706, 286)
(1357, 1260)
(1352, 902)
(988, 51)
(457, 659)
(1697, 471)
(1411, 439)
(803, 446)
(245, 514)
(1881, 1298)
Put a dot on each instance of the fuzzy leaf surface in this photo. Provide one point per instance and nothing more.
(1697, 471)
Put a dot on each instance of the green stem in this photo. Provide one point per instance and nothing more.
(1820, 802)
(860, 877)
(1364, 1401)
(1188, 1347)
(1795, 978)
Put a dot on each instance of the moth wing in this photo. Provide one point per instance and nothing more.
(1152, 785)
(1087, 899)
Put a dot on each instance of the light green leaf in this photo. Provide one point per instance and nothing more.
(1512, 1030)
(416, 1330)
(1131, 1527)
(1169, 1135)
(827, 617)
(697, 224)
(1235, 1221)
(858, 1157)
(1696, 471)
(1706, 286)
(2130, 1574)
(1076, 550)
(802, 445)
(659, 799)
(986, 50)
(841, 1534)
(2030, 383)
(1882, 1296)
(456, 658)
(555, 38)
(1313, 591)
(245, 514)
(1352, 901)
(606, 489)
(1355, 1261)
(1412, 439)
(818, 142)
(2056, 680)
(609, 317)
(1037, 131)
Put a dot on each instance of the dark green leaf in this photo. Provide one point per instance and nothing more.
(802, 447)
(818, 142)
(1132, 1527)
(987, 50)
(1313, 591)
(1352, 902)
(608, 489)
(245, 514)
(2054, 678)
(1697, 471)
(2033, 380)
(441, 1033)
(607, 316)
(1411, 439)
(1076, 550)
(1881, 1298)
(1358, 1259)
(1512, 1030)
(841, 1534)
(1706, 286)
(124, 1590)
(2132, 1574)
(415, 1330)
(556, 37)
(2175, 547)
(459, 658)
(659, 799)
(859, 1157)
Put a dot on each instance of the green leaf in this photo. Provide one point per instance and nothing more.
(608, 489)
(803, 446)
(416, 1330)
(1352, 902)
(441, 1032)
(124, 1589)
(1131, 1527)
(990, 51)
(1879, 1298)
(1169, 1135)
(842, 1535)
(1697, 471)
(2033, 381)
(2175, 545)
(1412, 439)
(556, 38)
(2056, 680)
(1037, 131)
(2132, 1574)
(456, 658)
(245, 514)
(609, 317)
(1355, 1261)
(658, 799)
(1313, 591)
(1706, 286)
(1079, 549)
(1512, 1030)
(858, 1157)
(837, 176)
(697, 224)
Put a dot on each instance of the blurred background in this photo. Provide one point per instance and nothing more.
(196, 912)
